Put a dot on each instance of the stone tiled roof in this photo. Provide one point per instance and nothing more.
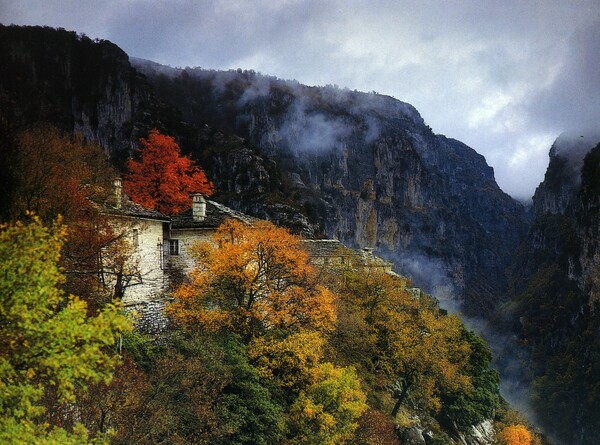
(131, 209)
(326, 248)
(216, 214)
(331, 248)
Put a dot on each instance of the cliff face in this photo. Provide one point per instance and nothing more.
(570, 193)
(557, 194)
(367, 169)
(588, 225)
(555, 289)
(89, 87)
(76, 83)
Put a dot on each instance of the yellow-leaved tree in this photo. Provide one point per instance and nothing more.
(326, 411)
(418, 348)
(515, 435)
(251, 280)
(257, 281)
(50, 349)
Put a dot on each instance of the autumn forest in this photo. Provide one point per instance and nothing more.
(263, 347)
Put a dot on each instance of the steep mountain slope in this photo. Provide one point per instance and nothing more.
(369, 171)
(554, 293)
(89, 87)
(77, 84)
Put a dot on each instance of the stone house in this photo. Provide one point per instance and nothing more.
(198, 223)
(143, 275)
(332, 252)
(160, 251)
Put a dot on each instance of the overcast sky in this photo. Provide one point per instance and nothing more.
(504, 76)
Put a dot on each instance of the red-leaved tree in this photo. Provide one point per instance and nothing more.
(163, 178)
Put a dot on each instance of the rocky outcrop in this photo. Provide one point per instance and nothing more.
(482, 434)
(75, 83)
(368, 171)
(419, 434)
(558, 193)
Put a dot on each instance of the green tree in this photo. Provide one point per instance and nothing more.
(467, 409)
(50, 350)
(198, 388)
(245, 406)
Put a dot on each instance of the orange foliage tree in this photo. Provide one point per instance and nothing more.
(253, 280)
(163, 179)
(515, 435)
(58, 173)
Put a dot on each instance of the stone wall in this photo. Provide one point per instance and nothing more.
(149, 316)
(182, 263)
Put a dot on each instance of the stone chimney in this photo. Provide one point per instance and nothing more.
(118, 192)
(198, 207)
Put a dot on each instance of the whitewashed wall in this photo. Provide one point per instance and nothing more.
(145, 265)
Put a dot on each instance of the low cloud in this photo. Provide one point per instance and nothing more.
(304, 130)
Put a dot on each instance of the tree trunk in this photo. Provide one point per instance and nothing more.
(401, 398)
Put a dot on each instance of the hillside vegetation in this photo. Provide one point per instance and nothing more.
(265, 347)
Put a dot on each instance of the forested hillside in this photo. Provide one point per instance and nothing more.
(265, 347)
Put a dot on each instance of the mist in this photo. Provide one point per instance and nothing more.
(306, 131)
(431, 275)
(573, 145)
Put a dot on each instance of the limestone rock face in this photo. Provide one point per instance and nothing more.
(557, 194)
(71, 81)
(482, 434)
(555, 289)
(368, 171)
(570, 194)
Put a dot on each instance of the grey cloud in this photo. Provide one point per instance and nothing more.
(260, 87)
(308, 131)
(572, 100)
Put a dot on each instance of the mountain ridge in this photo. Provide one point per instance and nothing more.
(378, 165)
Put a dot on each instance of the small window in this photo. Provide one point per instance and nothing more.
(136, 238)
(173, 247)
